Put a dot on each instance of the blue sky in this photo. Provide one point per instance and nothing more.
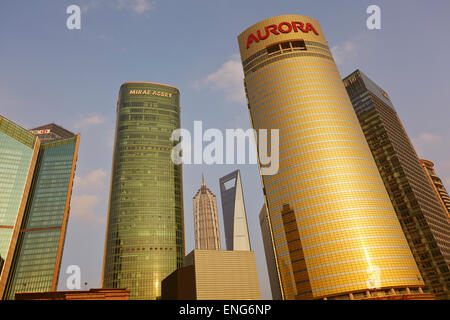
(71, 77)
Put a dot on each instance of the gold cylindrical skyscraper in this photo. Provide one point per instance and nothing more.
(334, 230)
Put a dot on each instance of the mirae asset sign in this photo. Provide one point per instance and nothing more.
(151, 93)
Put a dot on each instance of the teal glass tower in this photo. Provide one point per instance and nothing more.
(37, 169)
(145, 231)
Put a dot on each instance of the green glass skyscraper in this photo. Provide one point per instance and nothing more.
(145, 231)
(37, 169)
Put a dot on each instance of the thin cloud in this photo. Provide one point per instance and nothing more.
(344, 53)
(445, 165)
(447, 184)
(242, 121)
(87, 6)
(88, 192)
(138, 6)
(91, 5)
(88, 121)
(426, 142)
(83, 209)
(228, 79)
(93, 182)
(428, 138)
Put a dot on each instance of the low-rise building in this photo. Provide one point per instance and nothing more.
(214, 275)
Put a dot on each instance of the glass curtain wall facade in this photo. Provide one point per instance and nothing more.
(269, 254)
(418, 208)
(145, 231)
(18, 153)
(233, 211)
(336, 234)
(437, 184)
(36, 259)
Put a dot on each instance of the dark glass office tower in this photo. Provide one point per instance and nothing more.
(269, 252)
(145, 232)
(36, 187)
(421, 215)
